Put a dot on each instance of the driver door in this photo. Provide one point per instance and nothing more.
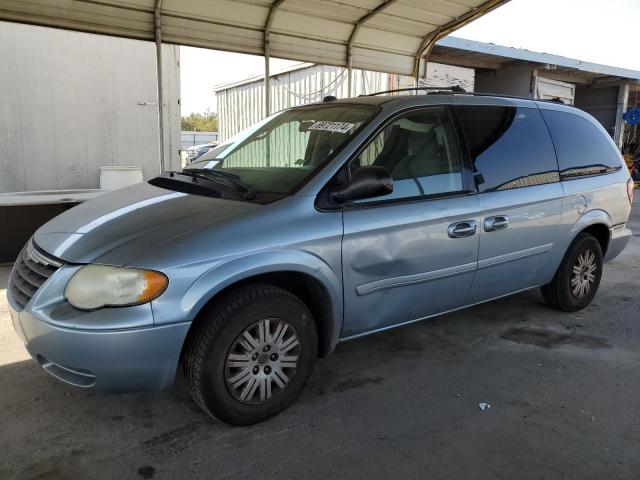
(413, 253)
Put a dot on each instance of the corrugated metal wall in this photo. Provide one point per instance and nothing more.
(72, 102)
(241, 106)
(284, 146)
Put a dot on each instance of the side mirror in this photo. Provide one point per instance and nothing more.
(367, 182)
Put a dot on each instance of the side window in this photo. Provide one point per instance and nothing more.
(421, 153)
(582, 148)
(510, 147)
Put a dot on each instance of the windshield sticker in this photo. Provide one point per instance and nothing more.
(338, 127)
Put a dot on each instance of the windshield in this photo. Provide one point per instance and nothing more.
(277, 155)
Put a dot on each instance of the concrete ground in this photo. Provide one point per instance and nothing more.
(564, 391)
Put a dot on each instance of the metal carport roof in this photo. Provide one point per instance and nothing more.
(384, 35)
(474, 54)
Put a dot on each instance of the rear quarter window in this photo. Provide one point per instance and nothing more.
(509, 147)
(582, 148)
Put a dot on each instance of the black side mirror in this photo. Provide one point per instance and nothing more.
(367, 182)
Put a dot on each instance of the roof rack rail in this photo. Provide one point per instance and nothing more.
(452, 89)
(458, 90)
(516, 97)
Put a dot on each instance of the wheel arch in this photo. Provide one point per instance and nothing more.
(596, 223)
(302, 274)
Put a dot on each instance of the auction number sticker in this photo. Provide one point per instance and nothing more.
(339, 127)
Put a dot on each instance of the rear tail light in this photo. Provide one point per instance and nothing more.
(630, 187)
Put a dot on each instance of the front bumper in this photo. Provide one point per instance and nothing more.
(125, 360)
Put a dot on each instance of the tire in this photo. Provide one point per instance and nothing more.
(227, 372)
(564, 295)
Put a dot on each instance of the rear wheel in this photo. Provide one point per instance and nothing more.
(578, 277)
(250, 357)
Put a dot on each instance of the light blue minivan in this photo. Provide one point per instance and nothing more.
(320, 224)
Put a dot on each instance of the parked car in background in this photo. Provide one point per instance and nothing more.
(196, 151)
(320, 224)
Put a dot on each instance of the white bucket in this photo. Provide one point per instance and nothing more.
(113, 177)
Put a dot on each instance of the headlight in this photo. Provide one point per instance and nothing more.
(97, 286)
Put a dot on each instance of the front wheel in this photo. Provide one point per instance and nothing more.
(250, 357)
(578, 277)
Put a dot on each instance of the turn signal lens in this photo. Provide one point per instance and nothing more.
(97, 286)
(630, 187)
(154, 285)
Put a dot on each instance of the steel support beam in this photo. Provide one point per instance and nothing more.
(623, 100)
(430, 40)
(354, 34)
(267, 56)
(158, 39)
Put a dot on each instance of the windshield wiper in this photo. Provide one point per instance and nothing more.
(229, 178)
(167, 180)
(187, 173)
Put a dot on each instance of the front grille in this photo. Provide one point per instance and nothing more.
(32, 268)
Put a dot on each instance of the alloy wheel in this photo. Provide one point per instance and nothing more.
(583, 274)
(262, 360)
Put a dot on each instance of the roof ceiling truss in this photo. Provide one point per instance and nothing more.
(381, 35)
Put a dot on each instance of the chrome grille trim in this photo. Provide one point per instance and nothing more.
(36, 256)
(31, 270)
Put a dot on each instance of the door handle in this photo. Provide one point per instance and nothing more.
(493, 224)
(462, 229)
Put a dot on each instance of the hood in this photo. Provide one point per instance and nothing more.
(121, 225)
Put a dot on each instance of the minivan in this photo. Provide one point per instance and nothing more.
(320, 224)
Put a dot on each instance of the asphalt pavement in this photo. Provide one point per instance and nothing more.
(562, 395)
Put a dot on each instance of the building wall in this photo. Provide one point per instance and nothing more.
(241, 106)
(602, 103)
(514, 80)
(72, 102)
